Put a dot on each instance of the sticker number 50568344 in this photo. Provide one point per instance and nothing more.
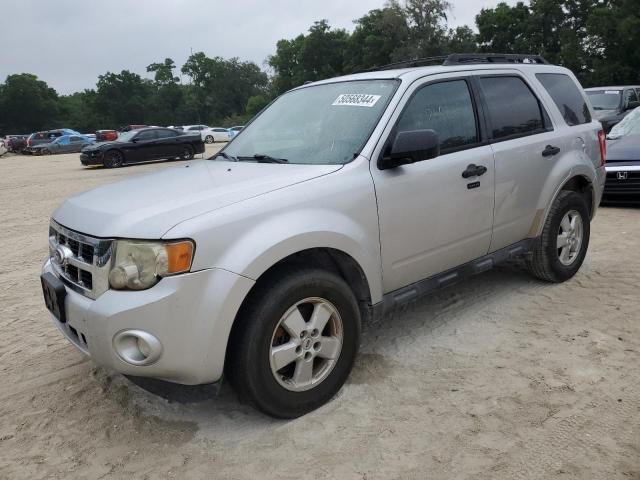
(356, 100)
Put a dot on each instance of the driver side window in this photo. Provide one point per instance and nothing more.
(445, 107)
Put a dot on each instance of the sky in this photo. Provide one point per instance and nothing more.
(68, 43)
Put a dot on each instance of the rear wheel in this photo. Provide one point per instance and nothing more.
(565, 238)
(113, 159)
(208, 139)
(187, 152)
(295, 342)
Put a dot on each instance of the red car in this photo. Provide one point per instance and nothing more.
(106, 135)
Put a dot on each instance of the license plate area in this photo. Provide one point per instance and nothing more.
(54, 295)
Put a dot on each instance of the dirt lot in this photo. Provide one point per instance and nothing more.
(501, 377)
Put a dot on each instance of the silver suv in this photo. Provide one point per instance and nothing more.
(341, 201)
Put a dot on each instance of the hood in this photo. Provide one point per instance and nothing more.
(623, 149)
(147, 206)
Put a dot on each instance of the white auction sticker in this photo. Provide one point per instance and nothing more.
(612, 92)
(357, 100)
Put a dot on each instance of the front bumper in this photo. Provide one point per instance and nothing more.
(622, 184)
(191, 315)
(91, 158)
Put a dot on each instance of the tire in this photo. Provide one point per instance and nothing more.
(45, 151)
(208, 139)
(267, 321)
(548, 260)
(187, 152)
(113, 159)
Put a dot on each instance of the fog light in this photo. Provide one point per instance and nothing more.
(137, 347)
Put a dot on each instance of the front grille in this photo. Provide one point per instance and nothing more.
(81, 261)
(622, 186)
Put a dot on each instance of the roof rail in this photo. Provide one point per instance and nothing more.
(465, 58)
(416, 62)
(462, 59)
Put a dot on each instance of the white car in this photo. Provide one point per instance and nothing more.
(3, 148)
(210, 134)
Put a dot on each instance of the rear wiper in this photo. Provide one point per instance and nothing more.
(226, 156)
(261, 158)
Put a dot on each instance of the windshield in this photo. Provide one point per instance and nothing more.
(630, 125)
(321, 124)
(605, 99)
(126, 136)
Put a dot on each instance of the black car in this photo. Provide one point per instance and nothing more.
(142, 146)
(612, 104)
(623, 162)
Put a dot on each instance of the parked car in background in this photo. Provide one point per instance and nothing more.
(16, 143)
(146, 144)
(39, 138)
(3, 147)
(612, 104)
(106, 135)
(128, 128)
(63, 144)
(237, 128)
(210, 134)
(623, 162)
(264, 261)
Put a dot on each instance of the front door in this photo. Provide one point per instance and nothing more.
(431, 218)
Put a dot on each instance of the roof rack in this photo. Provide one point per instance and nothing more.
(416, 62)
(462, 59)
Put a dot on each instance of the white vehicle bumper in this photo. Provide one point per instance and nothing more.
(189, 315)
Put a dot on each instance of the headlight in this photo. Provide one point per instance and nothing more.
(139, 265)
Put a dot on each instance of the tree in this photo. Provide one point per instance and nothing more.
(428, 22)
(311, 57)
(163, 72)
(27, 104)
(379, 38)
(123, 98)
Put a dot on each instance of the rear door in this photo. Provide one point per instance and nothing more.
(431, 218)
(524, 145)
(75, 144)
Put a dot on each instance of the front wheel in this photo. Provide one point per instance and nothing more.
(113, 159)
(563, 245)
(295, 342)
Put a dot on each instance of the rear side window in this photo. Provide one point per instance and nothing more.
(146, 135)
(447, 109)
(166, 133)
(514, 111)
(567, 97)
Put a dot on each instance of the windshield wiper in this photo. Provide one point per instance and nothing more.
(226, 156)
(261, 158)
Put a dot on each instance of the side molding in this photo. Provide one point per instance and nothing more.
(398, 299)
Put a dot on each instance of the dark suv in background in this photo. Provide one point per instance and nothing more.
(612, 104)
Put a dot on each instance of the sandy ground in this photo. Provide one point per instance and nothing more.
(501, 377)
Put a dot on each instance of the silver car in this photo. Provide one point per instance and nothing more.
(343, 200)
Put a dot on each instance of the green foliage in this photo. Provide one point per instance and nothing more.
(27, 103)
(596, 39)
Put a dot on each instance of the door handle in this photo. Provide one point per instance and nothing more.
(474, 171)
(550, 151)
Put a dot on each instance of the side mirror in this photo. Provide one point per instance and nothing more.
(633, 105)
(135, 139)
(411, 147)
